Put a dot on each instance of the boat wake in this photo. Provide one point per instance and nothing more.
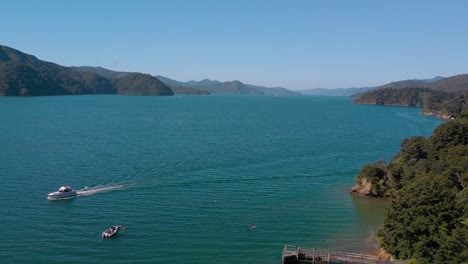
(99, 189)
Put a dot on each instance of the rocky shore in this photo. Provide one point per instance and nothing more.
(438, 115)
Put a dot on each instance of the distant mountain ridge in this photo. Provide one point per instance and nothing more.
(423, 83)
(232, 87)
(229, 87)
(23, 74)
(358, 91)
(116, 74)
(440, 96)
(335, 91)
(456, 84)
(205, 86)
(186, 84)
(274, 90)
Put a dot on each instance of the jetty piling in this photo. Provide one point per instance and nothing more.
(299, 255)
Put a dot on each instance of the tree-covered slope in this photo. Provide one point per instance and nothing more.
(23, 74)
(129, 83)
(456, 84)
(19, 79)
(428, 217)
(187, 90)
(101, 71)
(274, 90)
(232, 87)
(440, 96)
(421, 83)
(411, 96)
(140, 84)
(191, 84)
(117, 74)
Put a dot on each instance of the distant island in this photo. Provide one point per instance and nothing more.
(22, 74)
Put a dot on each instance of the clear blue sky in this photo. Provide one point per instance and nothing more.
(294, 44)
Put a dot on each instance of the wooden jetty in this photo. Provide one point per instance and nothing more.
(299, 255)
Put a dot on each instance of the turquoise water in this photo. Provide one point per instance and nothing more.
(187, 174)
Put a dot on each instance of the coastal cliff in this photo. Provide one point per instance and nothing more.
(372, 181)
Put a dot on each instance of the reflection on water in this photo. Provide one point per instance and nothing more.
(361, 235)
(371, 214)
(370, 211)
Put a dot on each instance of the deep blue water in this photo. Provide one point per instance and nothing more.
(158, 164)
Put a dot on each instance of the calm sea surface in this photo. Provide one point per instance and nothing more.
(187, 174)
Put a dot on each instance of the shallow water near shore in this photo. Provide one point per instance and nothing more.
(186, 175)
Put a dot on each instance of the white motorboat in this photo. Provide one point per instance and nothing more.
(113, 230)
(63, 192)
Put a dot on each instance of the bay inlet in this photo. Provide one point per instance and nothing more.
(193, 172)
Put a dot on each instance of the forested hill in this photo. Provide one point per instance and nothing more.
(445, 96)
(411, 96)
(186, 84)
(118, 74)
(456, 84)
(24, 74)
(410, 83)
(230, 87)
(428, 178)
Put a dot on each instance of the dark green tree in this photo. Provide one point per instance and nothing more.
(428, 218)
(426, 222)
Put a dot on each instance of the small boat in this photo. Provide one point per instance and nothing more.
(63, 192)
(252, 227)
(112, 231)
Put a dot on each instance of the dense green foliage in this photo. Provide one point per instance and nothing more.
(213, 86)
(233, 87)
(440, 96)
(23, 74)
(428, 218)
(425, 221)
(453, 106)
(430, 99)
(187, 90)
(141, 84)
(117, 75)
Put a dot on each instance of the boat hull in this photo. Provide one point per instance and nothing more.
(61, 195)
(114, 230)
